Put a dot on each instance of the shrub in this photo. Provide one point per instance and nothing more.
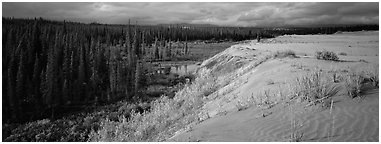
(283, 54)
(49, 131)
(327, 55)
(364, 61)
(75, 127)
(343, 53)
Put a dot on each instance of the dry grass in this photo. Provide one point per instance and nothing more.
(264, 98)
(353, 84)
(314, 88)
(330, 133)
(296, 134)
(242, 105)
(371, 73)
(354, 81)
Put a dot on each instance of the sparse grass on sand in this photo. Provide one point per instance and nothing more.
(296, 135)
(315, 88)
(353, 84)
(371, 73)
(354, 81)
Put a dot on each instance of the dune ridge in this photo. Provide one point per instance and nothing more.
(232, 116)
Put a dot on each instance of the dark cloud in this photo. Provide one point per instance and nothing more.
(231, 14)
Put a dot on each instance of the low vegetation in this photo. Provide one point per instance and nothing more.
(355, 81)
(166, 116)
(353, 85)
(315, 88)
(343, 53)
(75, 127)
(371, 73)
(283, 54)
(327, 55)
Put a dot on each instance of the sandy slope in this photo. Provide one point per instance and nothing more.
(352, 121)
(244, 75)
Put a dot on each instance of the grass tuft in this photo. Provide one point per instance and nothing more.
(315, 88)
(353, 84)
(371, 73)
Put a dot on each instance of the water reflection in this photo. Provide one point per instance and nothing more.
(183, 69)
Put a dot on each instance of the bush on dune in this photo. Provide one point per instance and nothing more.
(327, 55)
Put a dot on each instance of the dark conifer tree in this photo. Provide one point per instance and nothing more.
(12, 97)
(156, 48)
(20, 82)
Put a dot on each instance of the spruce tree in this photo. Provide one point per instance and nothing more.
(20, 83)
(156, 48)
(36, 84)
(13, 99)
(137, 79)
(81, 73)
(170, 49)
(49, 79)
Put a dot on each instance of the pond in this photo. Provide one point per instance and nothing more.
(179, 67)
(183, 69)
(169, 77)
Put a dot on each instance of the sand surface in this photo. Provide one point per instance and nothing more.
(240, 68)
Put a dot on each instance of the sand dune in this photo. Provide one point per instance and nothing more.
(349, 120)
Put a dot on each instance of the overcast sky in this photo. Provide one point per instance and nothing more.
(224, 14)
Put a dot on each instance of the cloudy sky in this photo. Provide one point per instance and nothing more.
(224, 14)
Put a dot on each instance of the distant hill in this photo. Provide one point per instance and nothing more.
(188, 25)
